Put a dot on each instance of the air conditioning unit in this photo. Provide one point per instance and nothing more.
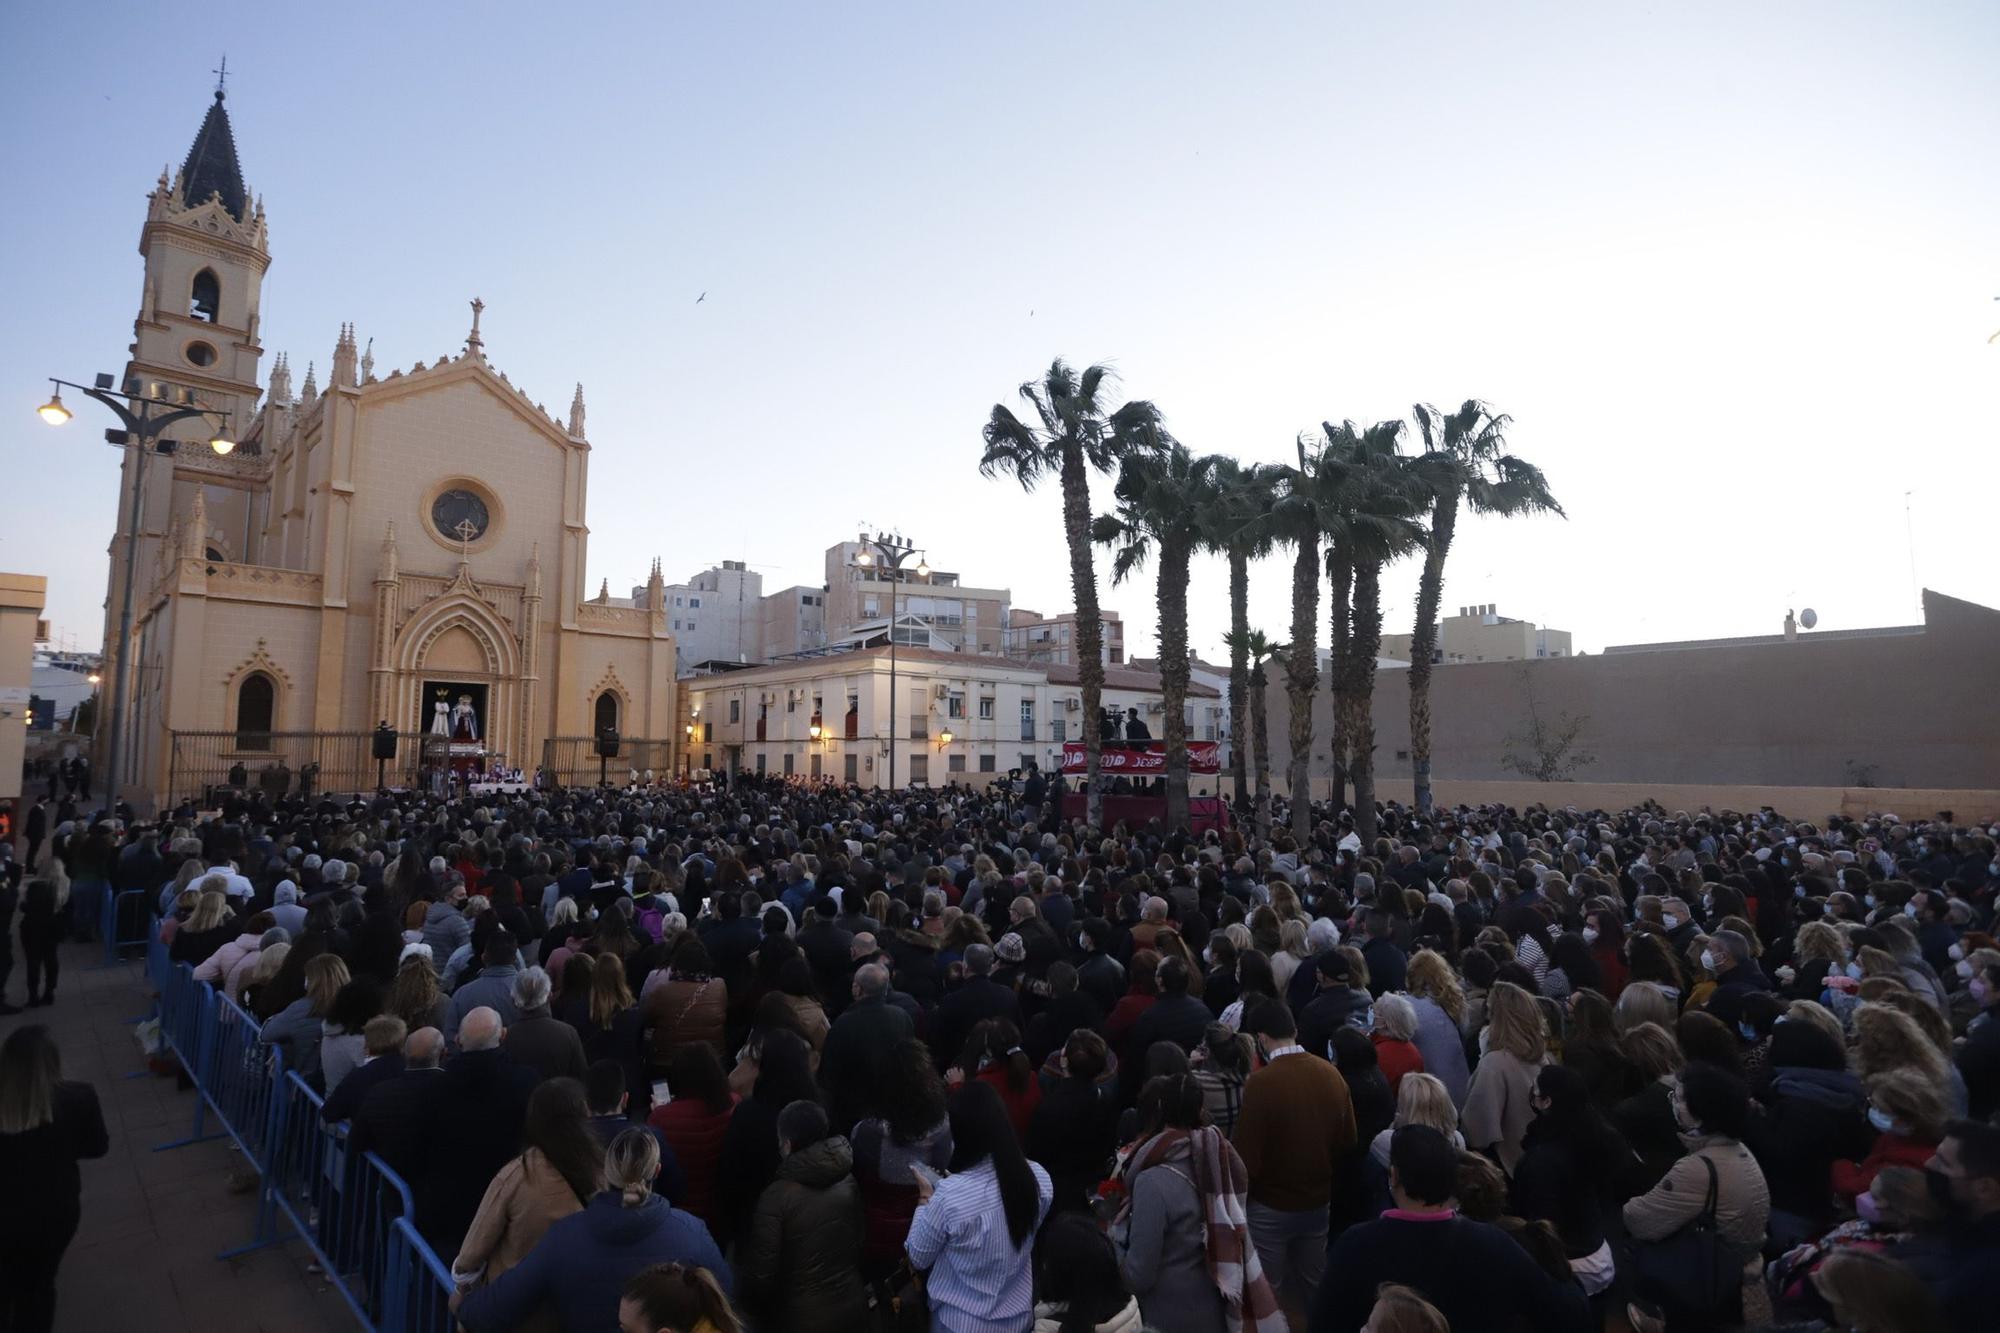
(1156, 706)
(1071, 705)
(940, 691)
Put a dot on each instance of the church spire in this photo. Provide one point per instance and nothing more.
(576, 414)
(211, 168)
(280, 392)
(311, 391)
(343, 359)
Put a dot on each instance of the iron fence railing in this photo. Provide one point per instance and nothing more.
(294, 763)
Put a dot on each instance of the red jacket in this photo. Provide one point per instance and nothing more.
(1020, 1105)
(1397, 1058)
(1124, 1014)
(1852, 1178)
(1616, 973)
(695, 1134)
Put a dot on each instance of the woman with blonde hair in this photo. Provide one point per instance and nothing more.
(415, 996)
(1908, 1114)
(1294, 950)
(1817, 950)
(1400, 1309)
(1646, 1118)
(296, 1029)
(47, 1125)
(1886, 1038)
(1872, 1293)
(269, 959)
(1643, 1002)
(1421, 1100)
(208, 927)
(579, 1269)
(1514, 1046)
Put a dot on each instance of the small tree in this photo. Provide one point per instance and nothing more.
(1546, 749)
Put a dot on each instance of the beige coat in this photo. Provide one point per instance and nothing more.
(1742, 1200)
(526, 1198)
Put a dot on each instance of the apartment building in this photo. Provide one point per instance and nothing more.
(972, 619)
(1482, 634)
(1051, 640)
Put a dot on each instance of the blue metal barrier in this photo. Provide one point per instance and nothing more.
(418, 1283)
(107, 923)
(354, 1214)
(187, 1024)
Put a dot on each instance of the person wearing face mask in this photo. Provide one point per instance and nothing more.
(1964, 1178)
(1730, 958)
(1978, 1055)
(1907, 1113)
(1712, 1109)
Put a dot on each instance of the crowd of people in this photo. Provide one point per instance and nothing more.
(793, 1057)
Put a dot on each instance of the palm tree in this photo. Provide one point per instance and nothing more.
(1299, 497)
(1468, 463)
(1375, 523)
(1234, 532)
(1163, 500)
(1074, 434)
(1260, 651)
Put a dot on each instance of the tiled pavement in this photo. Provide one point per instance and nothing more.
(153, 1222)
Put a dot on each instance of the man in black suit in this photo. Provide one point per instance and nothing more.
(861, 1048)
(981, 997)
(393, 1117)
(473, 1129)
(382, 1047)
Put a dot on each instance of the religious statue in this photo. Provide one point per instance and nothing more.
(441, 719)
(464, 721)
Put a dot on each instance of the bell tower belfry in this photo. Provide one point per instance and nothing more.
(206, 249)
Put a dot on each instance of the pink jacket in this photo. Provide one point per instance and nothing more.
(216, 969)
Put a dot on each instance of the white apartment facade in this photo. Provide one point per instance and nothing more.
(999, 715)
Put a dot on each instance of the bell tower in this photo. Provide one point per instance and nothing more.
(206, 248)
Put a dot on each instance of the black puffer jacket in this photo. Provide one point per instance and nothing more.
(1811, 1117)
(799, 1266)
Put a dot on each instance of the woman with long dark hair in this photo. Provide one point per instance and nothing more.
(695, 1122)
(46, 1126)
(975, 1229)
(993, 1054)
(559, 1168)
(750, 1158)
(907, 1129)
(1082, 1290)
(1572, 1164)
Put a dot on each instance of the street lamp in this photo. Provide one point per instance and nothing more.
(944, 738)
(144, 416)
(891, 553)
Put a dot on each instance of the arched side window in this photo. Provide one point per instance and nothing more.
(256, 705)
(607, 712)
(205, 298)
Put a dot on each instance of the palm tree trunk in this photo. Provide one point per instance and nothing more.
(1340, 569)
(1260, 739)
(1301, 678)
(1363, 648)
(1424, 642)
(1239, 672)
(1089, 627)
(1172, 603)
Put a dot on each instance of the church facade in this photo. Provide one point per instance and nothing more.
(405, 548)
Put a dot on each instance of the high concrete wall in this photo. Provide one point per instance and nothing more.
(1903, 711)
(21, 600)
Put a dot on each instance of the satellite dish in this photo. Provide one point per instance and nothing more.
(1809, 617)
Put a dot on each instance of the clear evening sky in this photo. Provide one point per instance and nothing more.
(1730, 267)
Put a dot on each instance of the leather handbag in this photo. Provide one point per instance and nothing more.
(1695, 1270)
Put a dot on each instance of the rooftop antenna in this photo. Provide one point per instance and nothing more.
(1910, 538)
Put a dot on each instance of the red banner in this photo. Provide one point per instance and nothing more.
(1148, 757)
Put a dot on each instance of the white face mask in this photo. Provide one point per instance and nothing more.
(1909, 909)
(1868, 900)
(1590, 934)
(1708, 960)
(1881, 1119)
(1671, 922)
(1965, 969)
(1956, 953)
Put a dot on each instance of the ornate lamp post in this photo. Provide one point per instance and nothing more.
(144, 416)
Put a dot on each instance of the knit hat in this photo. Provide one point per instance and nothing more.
(416, 949)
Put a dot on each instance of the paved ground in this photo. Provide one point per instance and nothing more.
(153, 1222)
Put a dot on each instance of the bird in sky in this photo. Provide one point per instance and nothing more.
(699, 299)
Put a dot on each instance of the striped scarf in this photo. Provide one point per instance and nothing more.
(1223, 1186)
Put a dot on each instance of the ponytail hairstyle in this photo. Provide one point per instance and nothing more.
(995, 1041)
(680, 1296)
(630, 1164)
